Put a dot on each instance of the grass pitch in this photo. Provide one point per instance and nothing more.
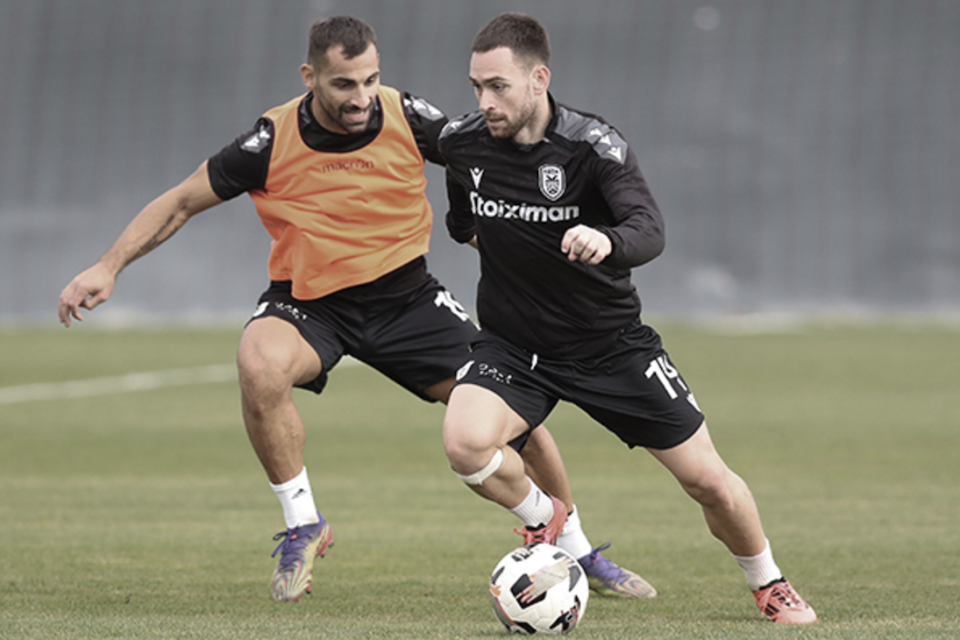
(146, 515)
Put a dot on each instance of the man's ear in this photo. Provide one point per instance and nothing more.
(308, 75)
(541, 79)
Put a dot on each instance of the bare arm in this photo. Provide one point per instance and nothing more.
(151, 227)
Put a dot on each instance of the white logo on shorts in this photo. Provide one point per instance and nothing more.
(462, 371)
(495, 374)
(445, 299)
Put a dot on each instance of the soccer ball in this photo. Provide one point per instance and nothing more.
(539, 588)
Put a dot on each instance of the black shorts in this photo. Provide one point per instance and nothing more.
(404, 324)
(633, 390)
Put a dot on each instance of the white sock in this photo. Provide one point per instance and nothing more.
(536, 509)
(573, 539)
(759, 570)
(296, 496)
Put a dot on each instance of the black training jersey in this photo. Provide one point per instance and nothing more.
(519, 200)
(242, 165)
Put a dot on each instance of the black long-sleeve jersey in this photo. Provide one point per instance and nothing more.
(519, 200)
(242, 165)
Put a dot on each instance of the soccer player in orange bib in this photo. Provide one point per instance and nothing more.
(336, 176)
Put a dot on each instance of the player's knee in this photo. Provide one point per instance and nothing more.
(263, 383)
(711, 488)
(465, 454)
(259, 368)
(476, 478)
(475, 427)
(467, 449)
(271, 359)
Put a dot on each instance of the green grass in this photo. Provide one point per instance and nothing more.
(146, 515)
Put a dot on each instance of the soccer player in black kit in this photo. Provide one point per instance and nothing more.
(556, 204)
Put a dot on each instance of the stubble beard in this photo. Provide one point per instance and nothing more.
(338, 115)
(512, 126)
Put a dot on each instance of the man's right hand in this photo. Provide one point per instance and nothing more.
(87, 290)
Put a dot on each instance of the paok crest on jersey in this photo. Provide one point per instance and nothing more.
(553, 181)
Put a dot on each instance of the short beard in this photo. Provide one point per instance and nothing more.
(349, 127)
(513, 127)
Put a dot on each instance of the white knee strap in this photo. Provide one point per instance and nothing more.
(476, 479)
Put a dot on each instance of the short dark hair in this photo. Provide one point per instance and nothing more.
(353, 34)
(520, 33)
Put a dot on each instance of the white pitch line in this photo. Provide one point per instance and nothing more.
(142, 381)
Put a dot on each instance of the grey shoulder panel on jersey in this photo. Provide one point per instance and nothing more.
(578, 127)
(422, 107)
(470, 122)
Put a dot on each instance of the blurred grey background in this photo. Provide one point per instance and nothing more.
(805, 153)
